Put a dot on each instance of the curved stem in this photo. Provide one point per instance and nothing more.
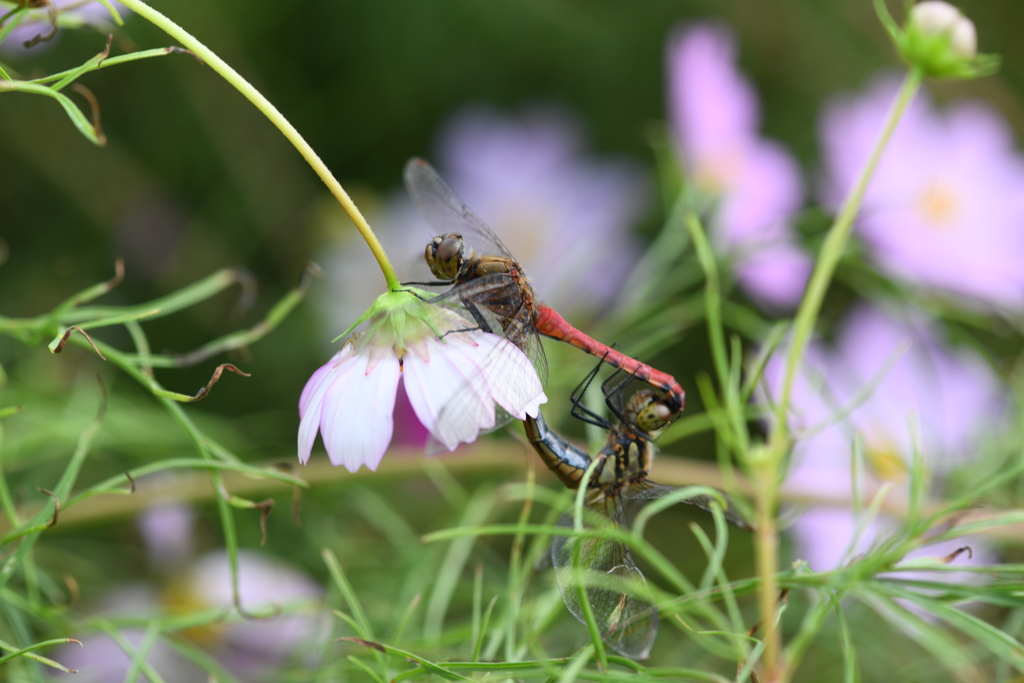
(282, 124)
(806, 319)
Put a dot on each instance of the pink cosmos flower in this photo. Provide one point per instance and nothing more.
(454, 381)
(755, 182)
(946, 205)
(944, 399)
(39, 22)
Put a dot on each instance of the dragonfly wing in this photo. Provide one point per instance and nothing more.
(496, 302)
(614, 587)
(445, 211)
(500, 386)
(526, 338)
(648, 490)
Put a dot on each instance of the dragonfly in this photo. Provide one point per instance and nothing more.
(628, 621)
(492, 287)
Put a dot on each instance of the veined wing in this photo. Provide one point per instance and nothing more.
(499, 370)
(648, 490)
(613, 585)
(495, 303)
(445, 211)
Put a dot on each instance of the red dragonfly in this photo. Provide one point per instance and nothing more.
(491, 285)
(628, 621)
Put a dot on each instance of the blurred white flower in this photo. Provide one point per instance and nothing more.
(946, 205)
(755, 182)
(454, 380)
(932, 398)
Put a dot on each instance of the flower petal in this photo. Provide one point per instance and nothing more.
(357, 418)
(311, 401)
(450, 383)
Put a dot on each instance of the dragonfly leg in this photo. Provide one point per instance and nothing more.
(432, 283)
(581, 411)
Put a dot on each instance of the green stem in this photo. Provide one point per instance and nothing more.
(282, 124)
(806, 319)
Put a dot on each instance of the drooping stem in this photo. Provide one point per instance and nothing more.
(806, 319)
(282, 124)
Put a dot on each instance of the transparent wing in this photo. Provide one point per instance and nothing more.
(445, 211)
(613, 584)
(505, 375)
(501, 369)
(648, 490)
(496, 303)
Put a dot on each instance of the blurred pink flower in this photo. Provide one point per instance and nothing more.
(454, 381)
(38, 22)
(251, 649)
(167, 529)
(566, 215)
(755, 182)
(946, 206)
(945, 399)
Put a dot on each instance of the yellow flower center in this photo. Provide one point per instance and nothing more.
(885, 461)
(180, 599)
(716, 174)
(939, 204)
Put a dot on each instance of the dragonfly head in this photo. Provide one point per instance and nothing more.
(649, 412)
(445, 255)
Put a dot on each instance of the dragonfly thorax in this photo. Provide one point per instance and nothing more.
(445, 255)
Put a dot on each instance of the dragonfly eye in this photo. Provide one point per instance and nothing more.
(653, 416)
(444, 255)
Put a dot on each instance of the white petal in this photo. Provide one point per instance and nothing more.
(357, 419)
(449, 392)
(311, 402)
(318, 377)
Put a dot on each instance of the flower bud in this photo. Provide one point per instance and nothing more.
(935, 18)
(938, 40)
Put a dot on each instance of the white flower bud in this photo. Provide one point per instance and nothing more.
(964, 39)
(936, 18)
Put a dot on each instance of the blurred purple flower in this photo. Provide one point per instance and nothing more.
(755, 182)
(943, 398)
(252, 649)
(35, 23)
(167, 530)
(565, 215)
(946, 205)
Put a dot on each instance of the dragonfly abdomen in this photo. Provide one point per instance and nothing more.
(567, 461)
(549, 323)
